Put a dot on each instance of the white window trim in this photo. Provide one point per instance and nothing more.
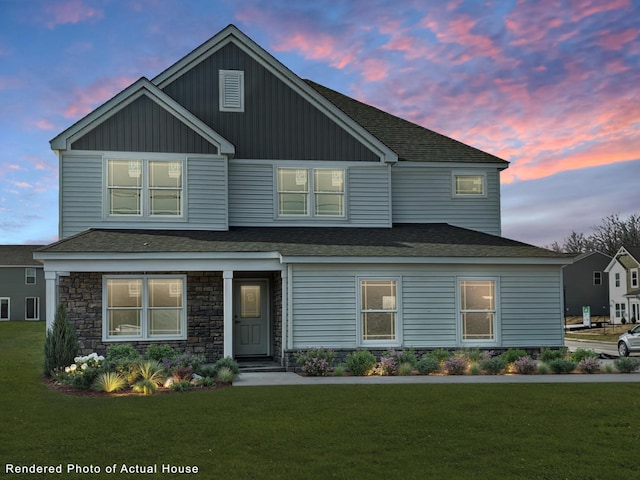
(37, 308)
(236, 76)
(144, 335)
(27, 276)
(8, 317)
(597, 275)
(145, 200)
(617, 279)
(397, 342)
(311, 193)
(495, 341)
(634, 277)
(468, 173)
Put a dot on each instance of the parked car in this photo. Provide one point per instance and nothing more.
(629, 342)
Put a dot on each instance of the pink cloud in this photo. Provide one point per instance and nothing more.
(84, 100)
(316, 46)
(45, 124)
(70, 11)
(585, 8)
(615, 41)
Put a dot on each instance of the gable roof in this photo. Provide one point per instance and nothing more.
(414, 241)
(18, 255)
(632, 251)
(408, 140)
(142, 87)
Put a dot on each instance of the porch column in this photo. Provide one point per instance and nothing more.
(51, 294)
(227, 276)
(285, 308)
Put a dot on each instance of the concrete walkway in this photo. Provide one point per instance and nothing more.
(251, 379)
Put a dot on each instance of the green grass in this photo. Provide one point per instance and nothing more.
(543, 431)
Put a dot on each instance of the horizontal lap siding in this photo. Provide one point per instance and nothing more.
(325, 311)
(369, 196)
(250, 194)
(423, 195)
(81, 193)
(207, 193)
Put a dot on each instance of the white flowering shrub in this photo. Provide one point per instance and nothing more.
(82, 372)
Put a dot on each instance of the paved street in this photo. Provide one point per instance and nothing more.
(605, 348)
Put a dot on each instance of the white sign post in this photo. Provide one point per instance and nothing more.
(586, 316)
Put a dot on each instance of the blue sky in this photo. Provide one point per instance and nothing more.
(552, 86)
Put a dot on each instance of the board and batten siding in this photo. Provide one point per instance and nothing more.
(324, 310)
(82, 191)
(253, 195)
(423, 194)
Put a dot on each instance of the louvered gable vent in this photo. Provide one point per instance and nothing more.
(231, 90)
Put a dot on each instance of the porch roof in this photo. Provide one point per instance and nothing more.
(403, 240)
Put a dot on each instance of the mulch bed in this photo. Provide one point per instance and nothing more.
(69, 390)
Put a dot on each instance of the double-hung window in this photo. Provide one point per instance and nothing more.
(621, 310)
(477, 310)
(634, 278)
(378, 311)
(144, 307)
(30, 276)
(317, 192)
(5, 310)
(144, 188)
(597, 278)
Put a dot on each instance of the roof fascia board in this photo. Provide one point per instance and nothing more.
(431, 260)
(268, 61)
(128, 96)
(460, 165)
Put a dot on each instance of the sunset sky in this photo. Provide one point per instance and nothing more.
(552, 86)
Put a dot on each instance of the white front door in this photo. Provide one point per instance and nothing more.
(251, 318)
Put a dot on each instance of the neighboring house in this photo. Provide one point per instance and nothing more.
(587, 285)
(22, 286)
(230, 208)
(624, 285)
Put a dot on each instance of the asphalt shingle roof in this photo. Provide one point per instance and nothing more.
(404, 240)
(408, 140)
(18, 255)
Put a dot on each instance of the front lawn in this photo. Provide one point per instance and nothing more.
(520, 431)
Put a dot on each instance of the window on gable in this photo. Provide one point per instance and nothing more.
(379, 311)
(617, 276)
(144, 187)
(634, 278)
(478, 314)
(597, 278)
(315, 192)
(465, 185)
(231, 84)
(145, 307)
(30, 276)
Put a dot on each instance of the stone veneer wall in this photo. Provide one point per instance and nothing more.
(276, 316)
(81, 293)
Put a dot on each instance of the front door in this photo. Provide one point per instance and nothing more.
(251, 318)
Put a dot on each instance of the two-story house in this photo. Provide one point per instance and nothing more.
(22, 286)
(624, 285)
(230, 208)
(586, 284)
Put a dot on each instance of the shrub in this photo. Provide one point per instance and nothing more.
(589, 365)
(226, 375)
(548, 355)
(360, 362)
(229, 363)
(562, 365)
(475, 369)
(82, 372)
(582, 354)
(455, 366)
(205, 382)
(428, 364)
(181, 374)
(161, 352)
(339, 370)
(512, 355)
(181, 386)
(493, 365)
(122, 353)
(440, 354)
(150, 370)
(405, 368)
(543, 369)
(402, 356)
(315, 362)
(525, 365)
(474, 355)
(61, 343)
(386, 367)
(627, 364)
(109, 382)
(184, 360)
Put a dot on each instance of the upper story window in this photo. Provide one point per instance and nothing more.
(634, 278)
(144, 187)
(617, 277)
(30, 276)
(315, 192)
(469, 185)
(231, 84)
(597, 278)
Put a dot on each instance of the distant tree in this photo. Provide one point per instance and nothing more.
(607, 237)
